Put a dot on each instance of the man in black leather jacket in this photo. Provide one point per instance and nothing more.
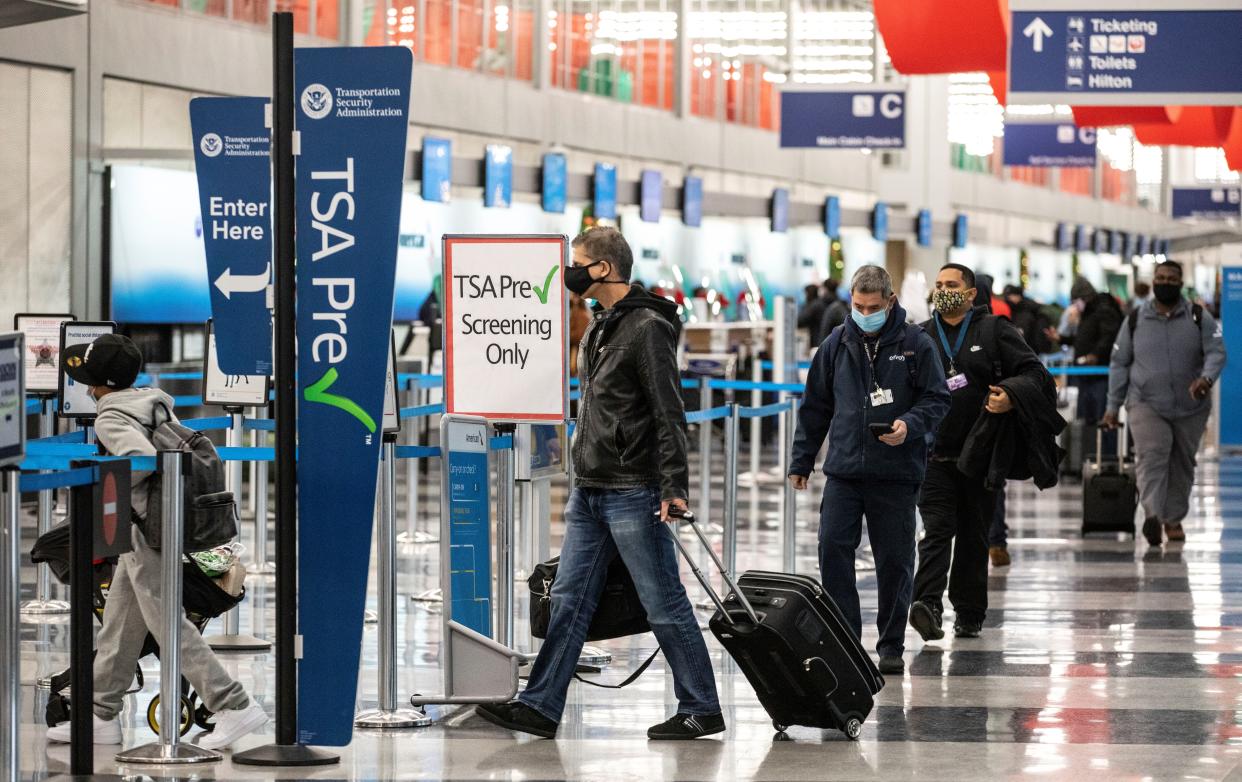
(629, 457)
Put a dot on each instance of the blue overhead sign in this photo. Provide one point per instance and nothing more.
(692, 201)
(879, 222)
(555, 172)
(780, 210)
(352, 115)
(923, 227)
(961, 231)
(605, 200)
(651, 196)
(498, 176)
(832, 217)
(1207, 202)
(232, 158)
(1049, 145)
(843, 119)
(437, 168)
(1125, 52)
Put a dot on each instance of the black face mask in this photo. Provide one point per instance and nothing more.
(578, 279)
(1166, 293)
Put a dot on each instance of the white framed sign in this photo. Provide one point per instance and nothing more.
(230, 390)
(74, 400)
(392, 411)
(505, 327)
(12, 399)
(43, 341)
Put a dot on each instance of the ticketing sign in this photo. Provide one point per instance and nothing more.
(1125, 52)
(1049, 145)
(1207, 202)
(843, 119)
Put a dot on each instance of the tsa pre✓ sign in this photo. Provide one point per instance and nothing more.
(504, 327)
(351, 114)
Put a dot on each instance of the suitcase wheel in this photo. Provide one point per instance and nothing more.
(853, 729)
(779, 727)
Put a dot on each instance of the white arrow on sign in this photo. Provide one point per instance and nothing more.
(1037, 31)
(230, 283)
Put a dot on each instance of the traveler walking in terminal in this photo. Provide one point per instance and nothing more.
(1169, 353)
(980, 351)
(630, 467)
(109, 367)
(877, 390)
(1093, 347)
(811, 316)
(835, 313)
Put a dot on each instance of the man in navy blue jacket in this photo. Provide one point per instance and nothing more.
(877, 371)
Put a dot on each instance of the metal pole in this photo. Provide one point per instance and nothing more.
(705, 451)
(10, 629)
(169, 748)
(81, 628)
(259, 564)
(730, 489)
(789, 508)
(505, 528)
(233, 640)
(388, 716)
(43, 603)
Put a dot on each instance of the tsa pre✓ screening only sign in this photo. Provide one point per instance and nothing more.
(505, 327)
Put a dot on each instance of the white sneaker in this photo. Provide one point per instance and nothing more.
(106, 732)
(232, 725)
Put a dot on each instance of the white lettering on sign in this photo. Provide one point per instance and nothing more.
(1147, 26)
(218, 208)
(327, 219)
(323, 217)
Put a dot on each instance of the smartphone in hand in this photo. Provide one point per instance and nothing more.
(879, 430)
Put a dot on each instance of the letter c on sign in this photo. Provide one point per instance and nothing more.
(1086, 135)
(890, 106)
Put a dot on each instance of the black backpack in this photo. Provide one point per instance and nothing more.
(210, 512)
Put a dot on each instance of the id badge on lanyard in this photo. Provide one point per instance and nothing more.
(956, 380)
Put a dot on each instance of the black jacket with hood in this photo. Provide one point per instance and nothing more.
(631, 422)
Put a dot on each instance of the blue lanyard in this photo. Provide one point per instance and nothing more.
(961, 337)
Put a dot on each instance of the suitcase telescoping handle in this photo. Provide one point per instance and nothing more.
(688, 517)
(1099, 444)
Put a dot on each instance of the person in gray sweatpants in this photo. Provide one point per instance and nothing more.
(124, 416)
(1167, 356)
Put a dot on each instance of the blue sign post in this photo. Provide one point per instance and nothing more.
(1231, 377)
(832, 217)
(1125, 53)
(232, 157)
(843, 119)
(1207, 202)
(352, 114)
(780, 210)
(692, 201)
(437, 169)
(1049, 145)
(879, 222)
(923, 228)
(651, 197)
(498, 176)
(605, 200)
(554, 186)
(961, 231)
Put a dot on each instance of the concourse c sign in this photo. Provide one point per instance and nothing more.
(504, 327)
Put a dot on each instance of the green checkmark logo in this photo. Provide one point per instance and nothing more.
(542, 293)
(319, 393)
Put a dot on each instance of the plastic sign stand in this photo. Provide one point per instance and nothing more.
(476, 668)
(229, 390)
(74, 399)
(43, 341)
(12, 400)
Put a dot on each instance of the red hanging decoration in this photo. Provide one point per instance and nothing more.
(944, 36)
(1108, 116)
(1198, 126)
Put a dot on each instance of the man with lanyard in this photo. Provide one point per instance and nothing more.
(979, 350)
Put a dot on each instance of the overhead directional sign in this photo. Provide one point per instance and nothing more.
(1126, 52)
(1207, 202)
(1049, 145)
(843, 119)
(232, 158)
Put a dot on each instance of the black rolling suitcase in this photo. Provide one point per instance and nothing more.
(795, 647)
(1073, 440)
(1109, 490)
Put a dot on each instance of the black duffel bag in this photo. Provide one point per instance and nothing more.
(620, 612)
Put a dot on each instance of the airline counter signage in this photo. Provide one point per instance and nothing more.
(504, 327)
(352, 110)
(1125, 52)
(232, 158)
(1207, 202)
(1049, 145)
(843, 119)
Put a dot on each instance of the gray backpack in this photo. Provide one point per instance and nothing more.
(210, 512)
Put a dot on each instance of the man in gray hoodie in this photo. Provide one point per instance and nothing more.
(1167, 356)
(109, 366)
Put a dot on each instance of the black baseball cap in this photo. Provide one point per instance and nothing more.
(112, 361)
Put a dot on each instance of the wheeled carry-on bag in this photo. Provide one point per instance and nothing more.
(794, 645)
(1109, 490)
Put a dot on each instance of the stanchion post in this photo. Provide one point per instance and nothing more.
(705, 451)
(388, 716)
(506, 476)
(169, 749)
(81, 630)
(732, 424)
(43, 604)
(259, 563)
(789, 507)
(10, 630)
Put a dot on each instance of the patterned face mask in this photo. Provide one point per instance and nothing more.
(949, 301)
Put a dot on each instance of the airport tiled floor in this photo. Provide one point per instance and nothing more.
(1099, 657)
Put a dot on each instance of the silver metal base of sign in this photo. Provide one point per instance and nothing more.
(237, 643)
(417, 539)
(162, 754)
(260, 568)
(595, 656)
(44, 607)
(370, 617)
(395, 719)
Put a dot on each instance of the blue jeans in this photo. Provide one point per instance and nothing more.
(599, 525)
(889, 508)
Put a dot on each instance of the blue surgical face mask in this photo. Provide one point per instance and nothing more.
(869, 323)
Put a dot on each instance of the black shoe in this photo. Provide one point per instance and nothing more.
(893, 665)
(516, 715)
(926, 620)
(1153, 531)
(965, 629)
(687, 726)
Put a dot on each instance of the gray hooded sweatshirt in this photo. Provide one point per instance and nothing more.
(121, 436)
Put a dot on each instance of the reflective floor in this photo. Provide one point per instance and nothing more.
(1099, 657)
